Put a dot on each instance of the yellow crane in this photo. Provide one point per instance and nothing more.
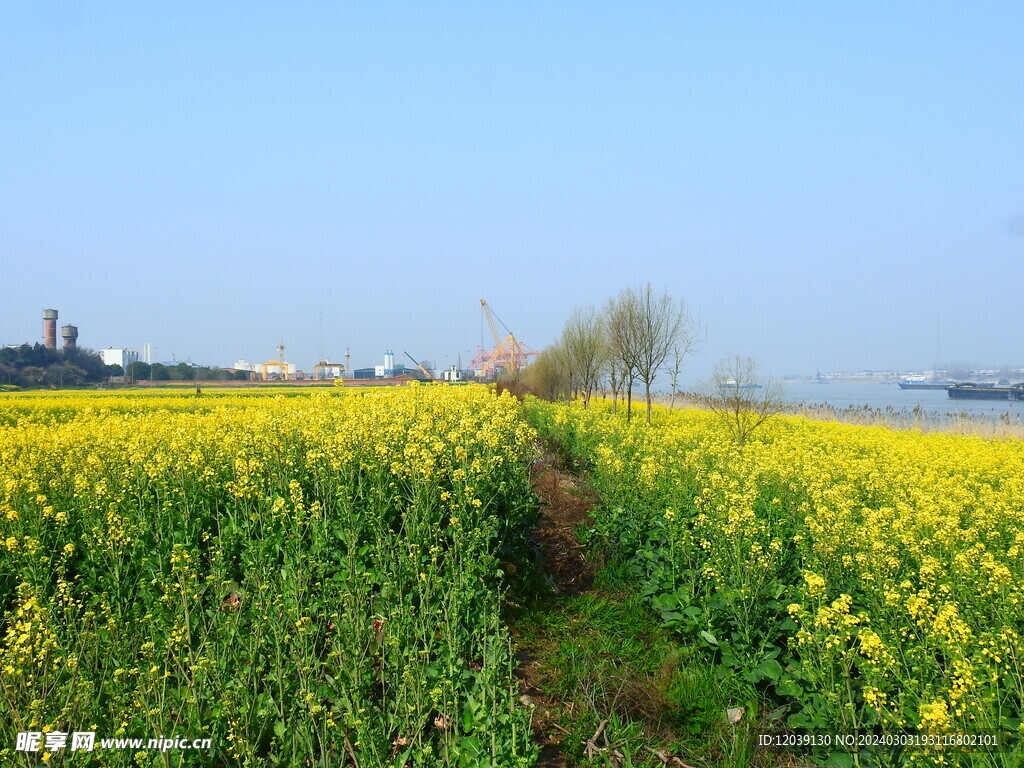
(425, 371)
(490, 322)
(509, 353)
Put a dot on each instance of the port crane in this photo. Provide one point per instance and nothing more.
(425, 371)
(508, 353)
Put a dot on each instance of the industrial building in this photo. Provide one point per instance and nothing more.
(387, 370)
(272, 370)
(377, 372)
(325, 370)
(507, 355)
(122, 357)
(390, 370)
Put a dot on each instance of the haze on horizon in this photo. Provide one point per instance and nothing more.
(825, 184)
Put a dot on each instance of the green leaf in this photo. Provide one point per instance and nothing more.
(789, 688)
(709, 637)
(771, 669)
(839, 760)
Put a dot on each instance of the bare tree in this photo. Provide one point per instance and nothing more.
(614, 372)
(684, 347)
(740, 397)
(644, 328)
(621, 322)
(585, 349)
(664, 324)
(673, 375)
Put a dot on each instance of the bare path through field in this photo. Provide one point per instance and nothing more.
(565, 506)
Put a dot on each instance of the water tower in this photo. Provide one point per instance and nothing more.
(70, 336)
(50, 328)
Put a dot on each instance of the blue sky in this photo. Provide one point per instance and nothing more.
(823, 182)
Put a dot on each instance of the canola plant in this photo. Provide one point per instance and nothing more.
(871, 581)
(314, 578)
(303, 580)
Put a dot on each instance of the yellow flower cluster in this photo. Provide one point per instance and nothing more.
(211, 562)
(898, 554)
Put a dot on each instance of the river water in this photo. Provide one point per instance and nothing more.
(882, 397)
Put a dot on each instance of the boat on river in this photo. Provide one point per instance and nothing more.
(986, 392)
(910, 384)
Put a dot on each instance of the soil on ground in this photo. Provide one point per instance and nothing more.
(565, 507)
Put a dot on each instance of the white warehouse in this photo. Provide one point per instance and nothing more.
(122, 357)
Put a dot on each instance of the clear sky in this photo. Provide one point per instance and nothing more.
(826, 183)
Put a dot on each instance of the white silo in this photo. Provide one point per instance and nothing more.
(389, 363)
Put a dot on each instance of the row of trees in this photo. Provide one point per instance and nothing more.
(38, 366)
(140, 371)
(31, 366)
(628, 342)
(637, 336)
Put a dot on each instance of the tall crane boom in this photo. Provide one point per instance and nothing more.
(507, 355)
(490, 322)
(425, 371)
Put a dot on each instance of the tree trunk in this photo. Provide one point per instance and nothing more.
(647, 394)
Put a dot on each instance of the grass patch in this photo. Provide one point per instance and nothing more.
(603, 656)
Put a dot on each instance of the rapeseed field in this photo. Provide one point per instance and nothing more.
(317, 578)
(310, 580)
(867, 580)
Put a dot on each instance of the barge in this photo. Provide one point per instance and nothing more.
(926, 384)
(982, 392)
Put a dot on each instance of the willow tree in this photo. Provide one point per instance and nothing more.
(548, 376)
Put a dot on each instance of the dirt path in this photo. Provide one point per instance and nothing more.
(565, 506)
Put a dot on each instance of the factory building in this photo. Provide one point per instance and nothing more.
(122, 357)
(328, 370)
(276, 370)
(272, 370)
(400, 371)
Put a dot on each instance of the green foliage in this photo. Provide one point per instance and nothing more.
(295, 578)
(606, 657)
(818, 564)
(32, 366)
